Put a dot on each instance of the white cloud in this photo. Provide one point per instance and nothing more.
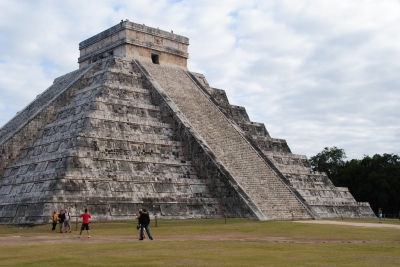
(317, 73)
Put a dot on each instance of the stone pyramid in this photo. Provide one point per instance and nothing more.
(133, 128)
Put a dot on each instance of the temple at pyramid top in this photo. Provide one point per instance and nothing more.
(132, 40)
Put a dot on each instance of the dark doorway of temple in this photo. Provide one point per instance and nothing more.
(154, 58)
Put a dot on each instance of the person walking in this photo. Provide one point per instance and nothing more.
(138, 226)
(144, 221)
(61, 219)
(67, 222)
(54, 219)
(85, 223)
(380, 214)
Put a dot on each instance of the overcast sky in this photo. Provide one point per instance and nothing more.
(318, 73)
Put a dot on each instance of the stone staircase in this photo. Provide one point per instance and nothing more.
(257, 179)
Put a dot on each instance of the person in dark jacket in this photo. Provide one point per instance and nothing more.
(61, 219)
(138, 226)
(144, 221)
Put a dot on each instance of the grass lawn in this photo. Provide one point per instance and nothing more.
(204, 242)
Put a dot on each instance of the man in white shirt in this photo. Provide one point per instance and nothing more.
(67, 222)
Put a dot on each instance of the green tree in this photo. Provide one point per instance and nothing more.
(330, 160)
(372, 179)
(375, 180)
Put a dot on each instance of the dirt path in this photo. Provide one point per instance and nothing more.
(56, 238)
(374, 225)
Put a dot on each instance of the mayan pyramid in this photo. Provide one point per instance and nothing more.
(133, 128)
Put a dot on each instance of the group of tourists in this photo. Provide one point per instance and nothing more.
(63, 218)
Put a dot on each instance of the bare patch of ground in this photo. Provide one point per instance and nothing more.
(374, 225)
(234, 237)
(72, 238)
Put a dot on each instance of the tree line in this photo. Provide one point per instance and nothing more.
(373, 179)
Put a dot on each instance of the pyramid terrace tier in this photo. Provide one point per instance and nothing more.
(78, 159)
(287, 161)
(145, 173)
(347, 210)
(112, 91)
(116, 77)
(309, 180)
(121, 111)
(112, 97)
(267, 144)
(254, 128)
(133, 190)
(73, 131)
